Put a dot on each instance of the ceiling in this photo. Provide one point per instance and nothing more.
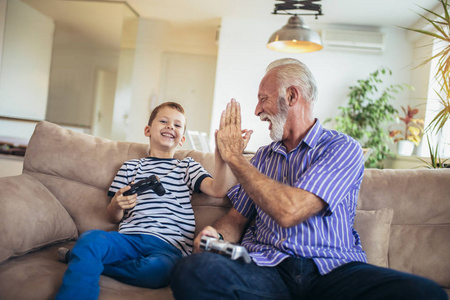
(336, 12)
(98, 23)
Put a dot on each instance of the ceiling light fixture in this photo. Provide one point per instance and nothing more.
(296, 36)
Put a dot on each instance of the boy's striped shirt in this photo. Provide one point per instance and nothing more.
(169, 217)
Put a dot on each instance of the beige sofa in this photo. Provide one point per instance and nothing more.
(403, 215)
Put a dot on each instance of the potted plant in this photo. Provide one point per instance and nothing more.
(367, 114)
(410, 132)
(436, 161)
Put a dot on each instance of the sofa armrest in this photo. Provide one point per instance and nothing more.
(30, 217)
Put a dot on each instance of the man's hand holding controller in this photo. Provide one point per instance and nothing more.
(215, 243)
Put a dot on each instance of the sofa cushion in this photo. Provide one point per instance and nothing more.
(374, 228)
(421, 249)
(30, 217)
(39, 275)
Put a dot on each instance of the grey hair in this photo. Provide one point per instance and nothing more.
(292, 72)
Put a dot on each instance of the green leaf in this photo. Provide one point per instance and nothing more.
(367, 112)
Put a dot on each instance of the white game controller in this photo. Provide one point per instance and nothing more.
(227, 249)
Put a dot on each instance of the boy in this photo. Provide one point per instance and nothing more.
(154, 231)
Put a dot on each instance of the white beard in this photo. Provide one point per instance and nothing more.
(278, 121)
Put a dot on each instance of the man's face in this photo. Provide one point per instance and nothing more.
(272, 107)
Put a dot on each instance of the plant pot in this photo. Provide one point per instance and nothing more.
(405, 148)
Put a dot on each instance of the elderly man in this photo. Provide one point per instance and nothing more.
(300, 192)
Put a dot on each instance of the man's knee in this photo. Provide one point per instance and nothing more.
(415, 287)
(189, 273)
(187, 266)
(400, 285)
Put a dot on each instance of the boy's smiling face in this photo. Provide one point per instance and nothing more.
(167, 130)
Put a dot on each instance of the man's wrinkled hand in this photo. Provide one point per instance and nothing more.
(230, 138)
(208, 231)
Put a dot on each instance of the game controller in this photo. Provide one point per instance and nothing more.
(227, 249)
(152, 182)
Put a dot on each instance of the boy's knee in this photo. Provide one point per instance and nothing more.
(153, 271)
(92, 234)
(90, 238)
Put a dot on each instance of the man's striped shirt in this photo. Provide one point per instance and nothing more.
(169, 217)
(328, 164)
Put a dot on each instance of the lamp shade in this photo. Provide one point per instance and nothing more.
(295, 37)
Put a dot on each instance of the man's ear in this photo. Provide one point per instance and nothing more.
(147, 131)
(292, 95)
(182, 141)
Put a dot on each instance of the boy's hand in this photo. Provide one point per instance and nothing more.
(246, 134)
(119, 203)
(123, 202)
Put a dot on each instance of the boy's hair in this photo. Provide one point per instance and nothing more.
(173, 105)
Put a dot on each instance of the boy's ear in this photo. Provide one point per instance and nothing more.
(182, 141)
(147, 131)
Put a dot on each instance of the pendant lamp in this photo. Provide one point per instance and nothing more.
(296, 36)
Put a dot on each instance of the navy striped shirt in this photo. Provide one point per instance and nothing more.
(169, 217)
(328, 164)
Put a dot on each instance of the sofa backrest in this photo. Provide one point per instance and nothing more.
(420, 230)
(78, 169)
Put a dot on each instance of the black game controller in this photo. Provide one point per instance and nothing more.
(152, 182)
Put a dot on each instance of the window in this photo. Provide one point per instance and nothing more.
(441, 139)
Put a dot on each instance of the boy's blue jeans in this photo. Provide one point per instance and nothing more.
(212, 276)
(141, 260)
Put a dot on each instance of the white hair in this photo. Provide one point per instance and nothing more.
(292, 72)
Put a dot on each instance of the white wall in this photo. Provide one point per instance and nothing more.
(2, 25)
(145, 78)
(26, 58)
(189, 80)
(72, 84)
(156, 40)
(243, 57)
(122, 99)
(75, 62)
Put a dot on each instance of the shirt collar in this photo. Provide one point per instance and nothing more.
(313, 135)
(311, 139)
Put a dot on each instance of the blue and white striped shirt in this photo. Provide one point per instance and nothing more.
(328, 164)
(169, 217)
